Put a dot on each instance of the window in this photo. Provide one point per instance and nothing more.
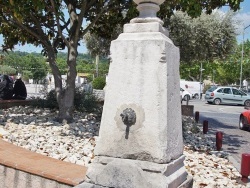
(212, 88)
(219, 91)
(227, 91)
(236, 92)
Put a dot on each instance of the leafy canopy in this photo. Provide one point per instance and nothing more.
(37, 21)
(207, 37)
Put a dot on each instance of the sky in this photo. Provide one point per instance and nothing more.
(243, 17)
(243, 20)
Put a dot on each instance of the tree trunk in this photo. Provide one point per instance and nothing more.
(65, 96)
(66, 99)
(66, 104)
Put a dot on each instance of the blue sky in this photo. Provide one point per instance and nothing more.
(243, 16)
(243, 19)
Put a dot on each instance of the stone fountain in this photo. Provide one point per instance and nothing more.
(140, 141)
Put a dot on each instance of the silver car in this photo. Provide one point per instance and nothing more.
(228, 95)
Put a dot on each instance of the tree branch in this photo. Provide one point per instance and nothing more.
(80, 18)
(58, 23)
(103, 10)
(13, 21)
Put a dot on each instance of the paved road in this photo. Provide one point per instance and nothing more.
(225, 118)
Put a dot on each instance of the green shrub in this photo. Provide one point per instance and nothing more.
(82, 101)
(79, 99)
(90, 102)
(41, 103)
(98, 83)
(51, 101)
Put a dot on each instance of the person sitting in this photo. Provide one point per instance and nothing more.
(19, 91)
(6, 88)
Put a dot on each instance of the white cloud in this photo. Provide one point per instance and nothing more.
(244, 18)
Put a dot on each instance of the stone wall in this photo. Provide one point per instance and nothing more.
(10, 177)
(99, 94)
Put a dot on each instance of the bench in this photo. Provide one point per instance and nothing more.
(13, 102)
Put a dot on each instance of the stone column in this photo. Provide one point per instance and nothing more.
(140, 141)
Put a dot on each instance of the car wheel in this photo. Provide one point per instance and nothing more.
(242, 122)
(247, 103)
(217, 101)
(186, 97)
(196, 96)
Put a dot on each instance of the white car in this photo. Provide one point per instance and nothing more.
(185, 95)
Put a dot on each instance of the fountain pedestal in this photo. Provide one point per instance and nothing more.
(140, 141)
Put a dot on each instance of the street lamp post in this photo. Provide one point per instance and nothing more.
(201, 69)
(242, 55)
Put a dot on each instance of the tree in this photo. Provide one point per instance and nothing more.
(207, 37)
(96, 46)
(58, 24)
(99, 46)
(4, 69)
(37, 67)
(229, 70)
(222, 71)
(31, 66)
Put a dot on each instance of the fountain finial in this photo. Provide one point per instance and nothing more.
(147, 10)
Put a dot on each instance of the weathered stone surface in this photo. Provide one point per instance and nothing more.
(145, 27)
(99, 94)
(140, 60)
(114, 172)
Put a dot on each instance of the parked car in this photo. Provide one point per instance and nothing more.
(210, 90)
(228, 95)
(244, 121)
(185, 95)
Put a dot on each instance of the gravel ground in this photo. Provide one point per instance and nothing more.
(36, 130)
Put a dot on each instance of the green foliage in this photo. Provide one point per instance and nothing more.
(82, 102)
(223, 72)
(89, 103)
(31, 66)
(37, 66)
(90, 78)
(4, 69)
(26, 75)
(99, 83)
(205, 38)
(96, 45)
(51, 101)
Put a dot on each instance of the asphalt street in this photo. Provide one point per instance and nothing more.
(225, 118)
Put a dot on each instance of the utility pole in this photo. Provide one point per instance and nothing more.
(201, 69)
